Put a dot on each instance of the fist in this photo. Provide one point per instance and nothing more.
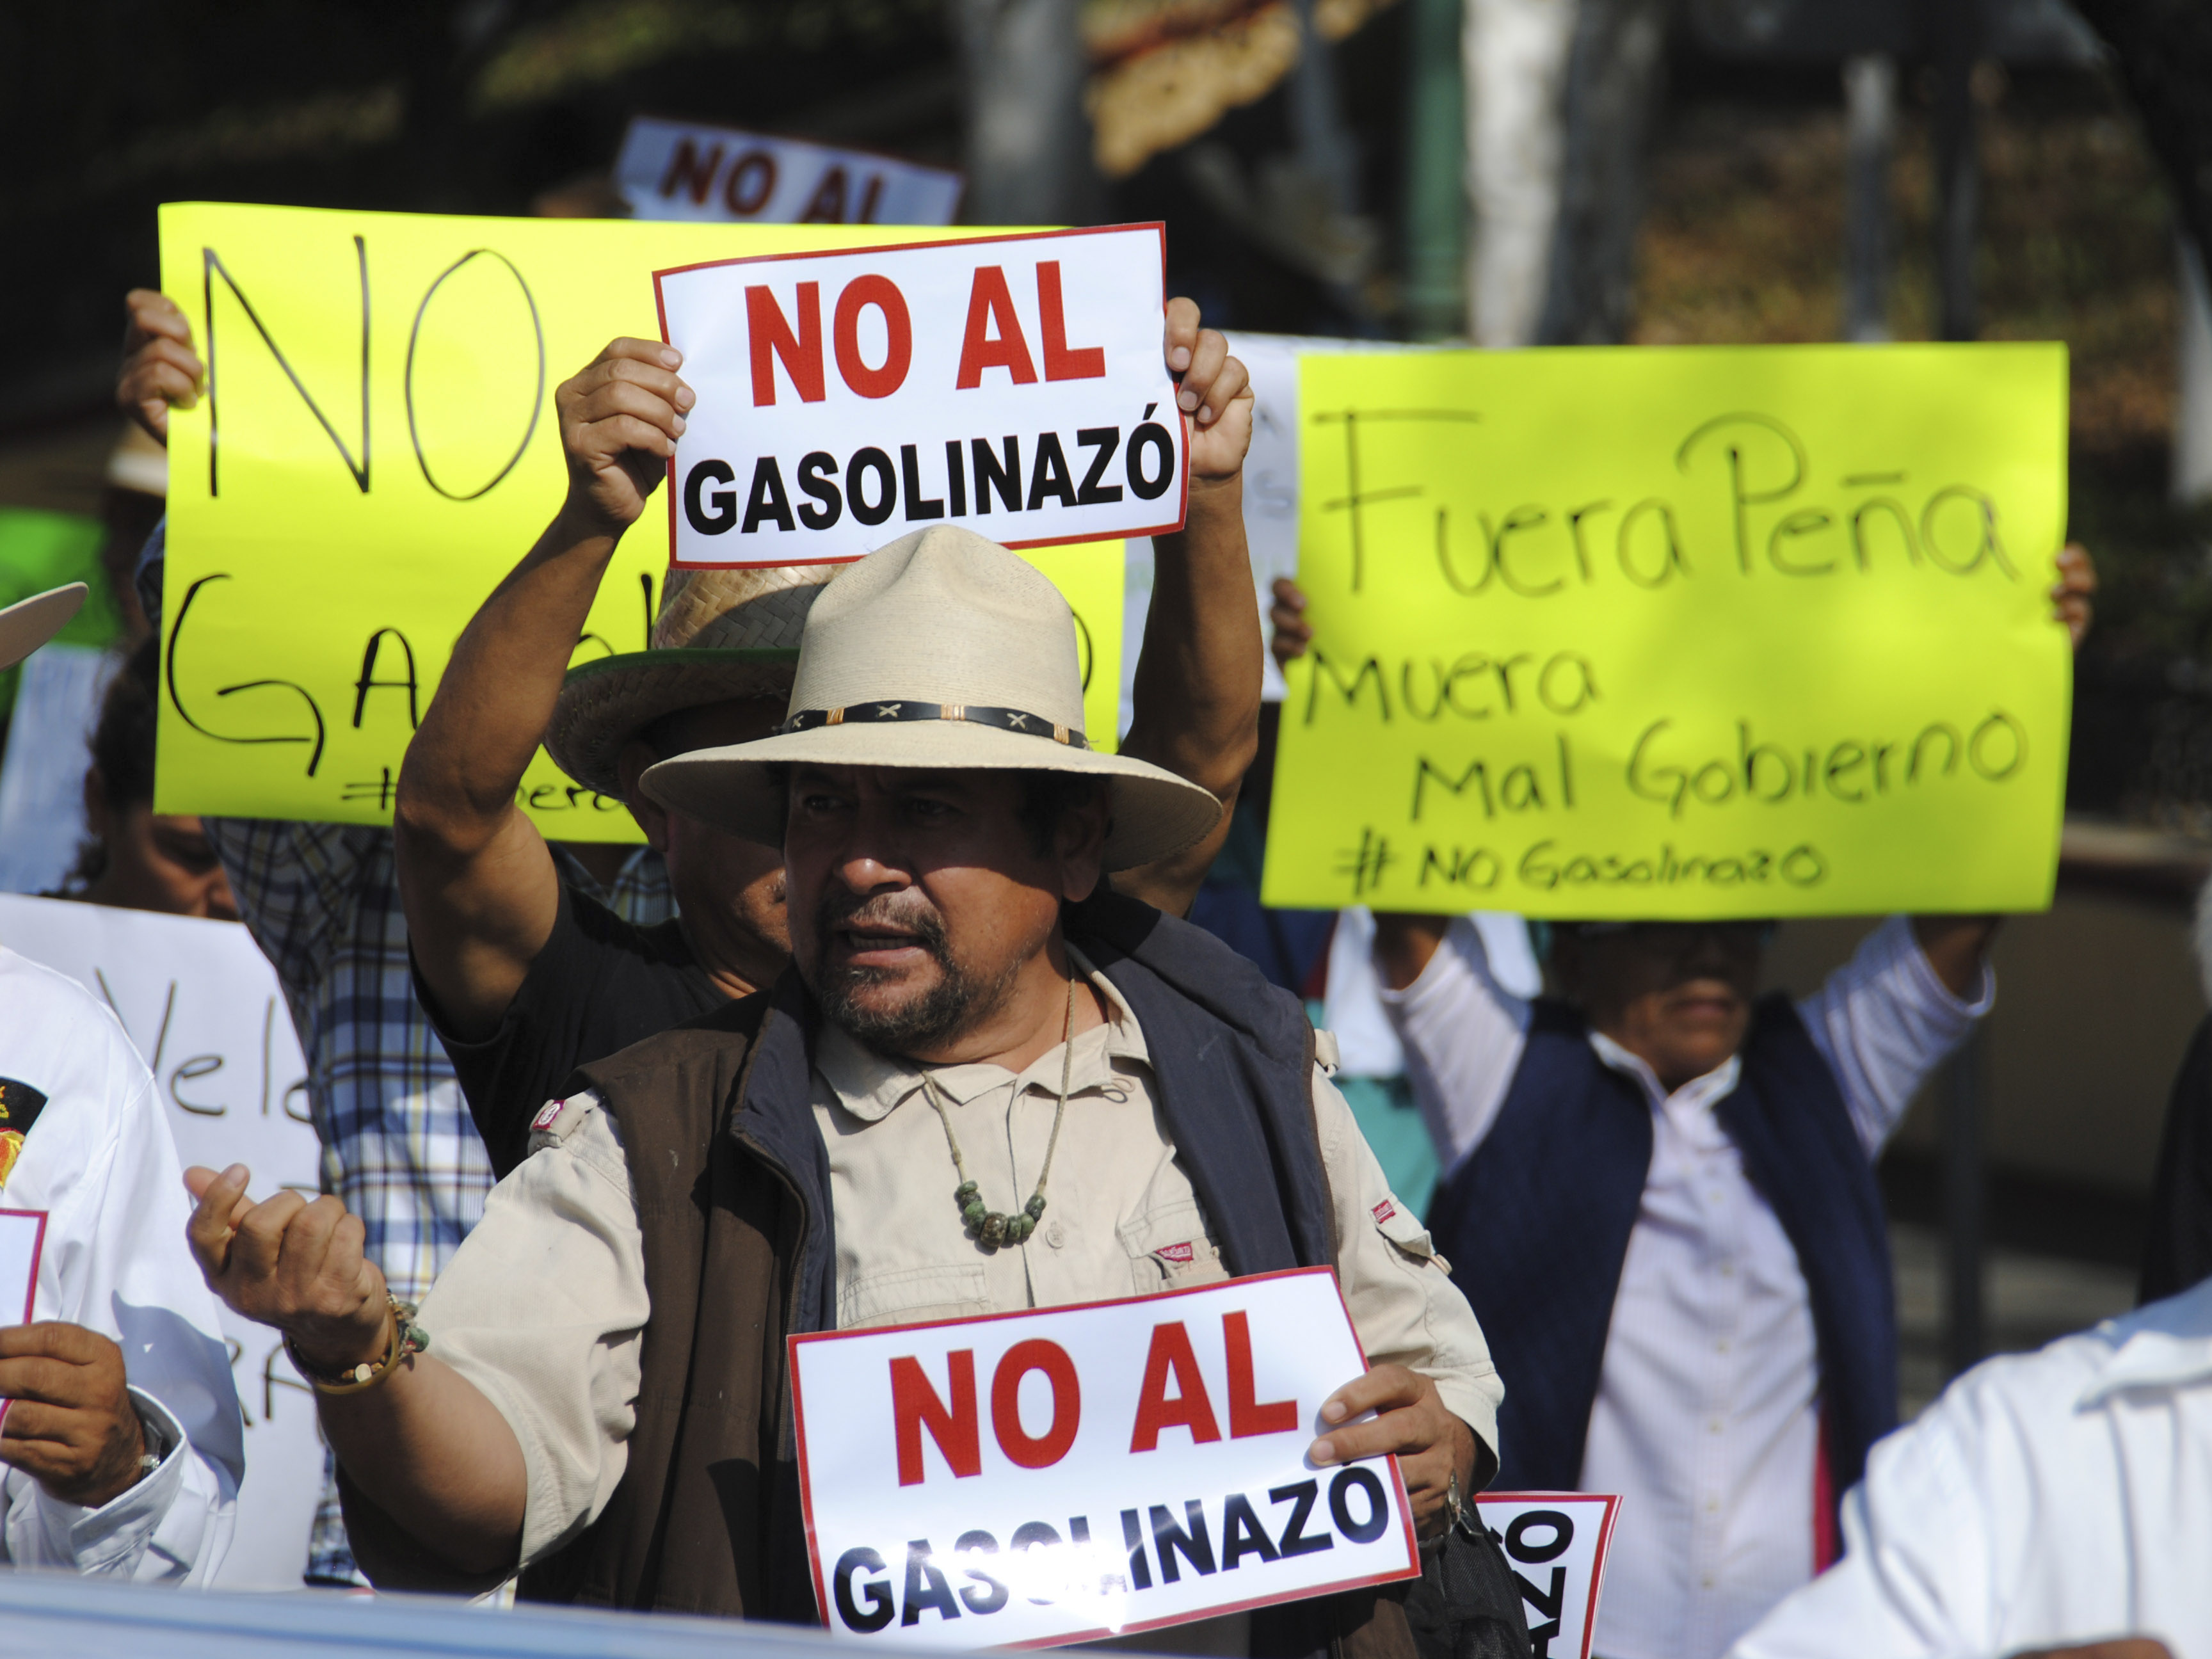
(69, 1423)
(1215, 396)
(290, 1263)
(620, 418)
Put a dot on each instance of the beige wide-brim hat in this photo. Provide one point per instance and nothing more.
(29, 623)
(720, 636)
(941, 652)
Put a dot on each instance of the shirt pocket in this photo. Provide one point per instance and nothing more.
(1170, 1248)
(1406, 1235)
(909, 1295)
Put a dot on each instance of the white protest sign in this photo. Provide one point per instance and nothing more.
(676, 170)
(1555, 1542)
(1013, 384)
(1032, 1479)
(203, 1006)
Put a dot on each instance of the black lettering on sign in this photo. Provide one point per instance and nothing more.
(1189, 1539)
(1550, 1602)
(991, 475)
(1296, 1541)
(926, 1586)
(864, 462)
(1049, 478)
(369, 682)
(1241, 1534)
(1743, 495)
(816, 476)
(1152, 436)
(767, 500)
(1363, 1481)
(314, 712)
(993, 1594)
(877, 1590)
(1104, 440)
(407, 381)
(1037, 1536)
(918, 505)
(1133, 1535)
(710, 515)
(211, 266)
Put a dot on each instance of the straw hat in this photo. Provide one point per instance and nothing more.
(940, 651)
(29, 623)
(721, 634)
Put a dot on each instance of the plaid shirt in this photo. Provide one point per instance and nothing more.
(322, 901)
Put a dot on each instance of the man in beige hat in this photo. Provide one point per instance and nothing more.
(527, 978)
(987, 1082)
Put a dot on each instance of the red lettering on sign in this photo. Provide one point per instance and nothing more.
(770, 332)
(1085, 362)
(916, 1407)
(883, 294)
(828, 207)
(865, 213)
(1039, 1451)
(750, 183)
(990, 304)
(688, 171)
(1247, 1416)
(1189, 1409)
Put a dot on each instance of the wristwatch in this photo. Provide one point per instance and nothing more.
(157, 1443)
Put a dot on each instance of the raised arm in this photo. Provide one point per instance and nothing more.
(480, 886)
(1197, 691)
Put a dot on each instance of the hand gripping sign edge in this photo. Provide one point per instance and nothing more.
(1401, 1503)
(1180, 435)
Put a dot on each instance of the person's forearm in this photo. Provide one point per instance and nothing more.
(436, 1455)
(1197, 690)
(459, 778)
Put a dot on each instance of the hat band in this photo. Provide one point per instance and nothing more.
(879, 714)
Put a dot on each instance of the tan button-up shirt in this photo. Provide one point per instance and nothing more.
(544, 1307)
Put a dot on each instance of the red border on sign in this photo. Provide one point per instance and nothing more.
(1157, 227)
(1612, 1502)
(31, 1296)
(791, 1345)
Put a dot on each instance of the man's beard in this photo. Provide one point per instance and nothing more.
(958, 1001)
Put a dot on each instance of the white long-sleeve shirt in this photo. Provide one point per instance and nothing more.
(2045, 1500)
(99, 1160)
(1707, 1415)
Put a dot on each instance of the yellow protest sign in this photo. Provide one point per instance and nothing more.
(1643, 633)
(377, 447)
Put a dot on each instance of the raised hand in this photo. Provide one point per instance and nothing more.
(1215, 397)
(1411, 1421)
(620, 417)
(2073, 595)
(70, 1425)
(290, 1263)
(159, 368)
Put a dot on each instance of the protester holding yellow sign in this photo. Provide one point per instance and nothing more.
(1669, 1179)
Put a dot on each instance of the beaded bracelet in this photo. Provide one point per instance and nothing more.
(408, 1338)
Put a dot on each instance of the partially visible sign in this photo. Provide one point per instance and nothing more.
(202, 1007)
(1640, 633)
(1555, 1542)
(674, 170)
(1013, 384)
(1033, 1479)
(377, 449)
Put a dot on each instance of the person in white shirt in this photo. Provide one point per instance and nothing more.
(121, 1432)
(2046, 1499)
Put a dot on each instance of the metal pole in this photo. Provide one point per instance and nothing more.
(1870, 122)
(1956, 28)
(1436, 152)
(1964, 1338)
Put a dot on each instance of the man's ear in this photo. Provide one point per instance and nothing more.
(1080, 844)
(652, 816)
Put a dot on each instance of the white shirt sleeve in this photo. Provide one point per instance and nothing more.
(115, 1262)
(561, 1364)
(1463, 1033)
(1883, 1022)
(1399, 1290)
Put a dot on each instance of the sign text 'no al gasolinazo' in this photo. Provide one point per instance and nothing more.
(1013, 384)
(1025, 1480)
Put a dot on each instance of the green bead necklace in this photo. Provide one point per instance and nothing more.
(992, 1228)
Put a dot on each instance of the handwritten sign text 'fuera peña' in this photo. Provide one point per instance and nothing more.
(1031, 1479)
(1653, 632)
(377, 448)
(1013, 384)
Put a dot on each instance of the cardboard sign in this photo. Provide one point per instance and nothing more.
(377, 449)
(1013, 384)
(674, 170)
(1709, 632)
(1032, 1479)
(202, 1007)
(1556, 1543)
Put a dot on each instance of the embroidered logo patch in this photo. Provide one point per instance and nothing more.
(1183, 1254)
(546, 1115)
(1384, 1210)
